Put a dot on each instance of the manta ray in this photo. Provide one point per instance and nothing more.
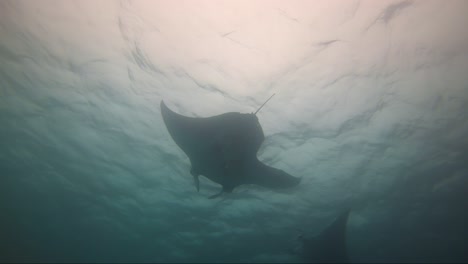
(223, 148)
(330, 245)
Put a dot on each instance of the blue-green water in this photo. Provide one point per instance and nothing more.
(370, 110)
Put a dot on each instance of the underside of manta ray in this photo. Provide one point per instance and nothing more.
(330, 245)
(224, 149)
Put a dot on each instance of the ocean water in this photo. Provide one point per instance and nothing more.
(370, 110)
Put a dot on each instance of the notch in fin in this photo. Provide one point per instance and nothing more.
(216, 195)
(225, 189)
(196, 180)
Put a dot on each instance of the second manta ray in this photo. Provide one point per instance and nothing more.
(224, 149)
(330, 245)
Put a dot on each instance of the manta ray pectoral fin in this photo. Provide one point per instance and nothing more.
(273, 178)
(330, 245)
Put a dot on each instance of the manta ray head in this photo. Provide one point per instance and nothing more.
(252, 131)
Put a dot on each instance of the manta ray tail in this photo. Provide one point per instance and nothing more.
(273, 178)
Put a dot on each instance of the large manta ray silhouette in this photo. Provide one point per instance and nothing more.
(330, 245)
(224, 149)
